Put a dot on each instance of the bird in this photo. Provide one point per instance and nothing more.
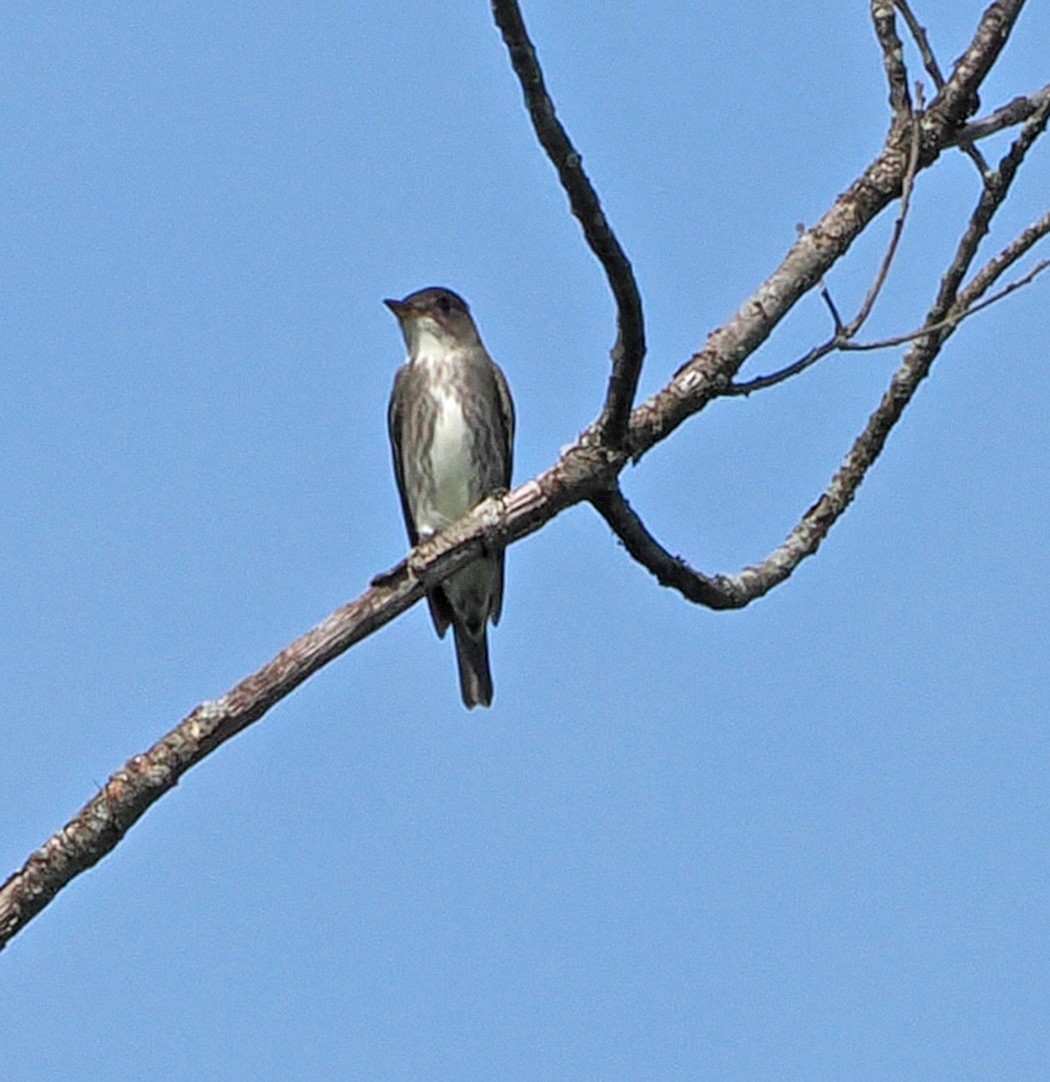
(451, 424)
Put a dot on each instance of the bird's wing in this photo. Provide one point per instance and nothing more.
(506, 418)
(395, 419)
(506, 412)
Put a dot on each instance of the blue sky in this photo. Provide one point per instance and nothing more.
(806, 840)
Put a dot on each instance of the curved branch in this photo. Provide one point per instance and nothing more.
(944, 315)
(629, 349)
(718, 592)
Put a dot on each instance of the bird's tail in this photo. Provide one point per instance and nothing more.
(472, 656)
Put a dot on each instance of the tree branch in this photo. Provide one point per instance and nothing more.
(885, 23)
(843, 333)
(97, 828)
(1006, 116)
(629, 349)
(957, 99)
(588, 469)
(707, 373)
(929, 61)
(945, 314)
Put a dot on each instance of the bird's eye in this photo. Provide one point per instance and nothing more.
(444, 305)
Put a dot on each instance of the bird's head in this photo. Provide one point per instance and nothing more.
(434, 313)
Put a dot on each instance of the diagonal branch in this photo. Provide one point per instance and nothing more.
(990, 273)
(957, 99)
(629, 349)
(100, 825)
(1006, 116)
(885, 24)
(960, 315)
(845, 332)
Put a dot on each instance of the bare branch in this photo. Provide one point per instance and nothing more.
(781, 375)
(957, 99)
(885, 23)
(100, 825)
(996, 188)
(836, 317)
(954, 320)
(922, 42)
(708, 372)
(907, 186)
(588, 469)
(933, 69)
(844, 332)
(806, 537)
(1006, 116)
(715, 593)
(629, 349)
(842, 340)
(737, 591)
(994, 268)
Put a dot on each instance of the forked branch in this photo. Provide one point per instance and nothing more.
(948, 309)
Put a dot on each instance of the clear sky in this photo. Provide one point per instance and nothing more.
(806, 840)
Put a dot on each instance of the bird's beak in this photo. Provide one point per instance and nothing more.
(399, 308)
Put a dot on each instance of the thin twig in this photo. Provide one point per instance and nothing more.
(907, 186)
(836, 317)
(629, 349)
(845, 332)
(922, 42)
(953, 320)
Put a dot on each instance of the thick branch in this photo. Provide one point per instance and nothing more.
(105, 819)
(929, 62)
(629, 349)
(957, 99)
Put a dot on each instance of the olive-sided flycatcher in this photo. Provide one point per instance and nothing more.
(452, 430)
